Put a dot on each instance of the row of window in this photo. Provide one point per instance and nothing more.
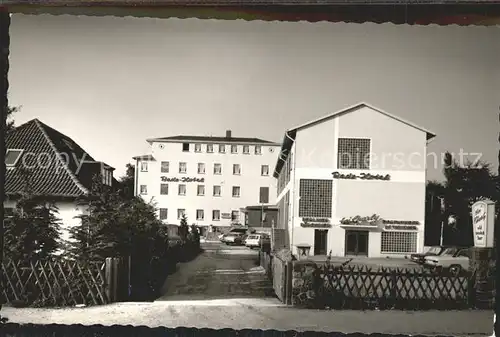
(209, 148)
(200, 190)
(200, 214)
(165, 168)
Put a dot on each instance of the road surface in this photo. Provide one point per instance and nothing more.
(220, 272)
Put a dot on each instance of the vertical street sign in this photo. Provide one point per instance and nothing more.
(483, 223)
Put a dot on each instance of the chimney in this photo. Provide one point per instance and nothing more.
(228, 133)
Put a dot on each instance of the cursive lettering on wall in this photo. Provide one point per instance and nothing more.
(362, 176)
(183, 180)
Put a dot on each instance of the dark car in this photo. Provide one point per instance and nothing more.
(433, 251)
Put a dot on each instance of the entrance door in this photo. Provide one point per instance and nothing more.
(320, 247)
(356, 243)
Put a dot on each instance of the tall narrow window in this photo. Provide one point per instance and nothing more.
(216, 215)
(236, 191)
(258, 149)
(163, 189)
(235, 215)
(236, 169)
(264, 170)
(264, 195)
(197, 147)
(222, 148)
(201, 190)
(210, 148)
(182, 167)
(234, 148)
(182, 189)
(163, 213)
(180, 213)
(201, 168)
(144, 166)
(200, 214)
(144, 189)
(246, 149)
(185, 147)
(217, 191)
(217, 168)
(165, 166)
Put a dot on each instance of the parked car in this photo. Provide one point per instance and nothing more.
(253, 241)
(433, 251)
(233, 238)
(257, 240)
(453, 259)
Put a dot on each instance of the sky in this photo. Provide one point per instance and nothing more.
(109, 83)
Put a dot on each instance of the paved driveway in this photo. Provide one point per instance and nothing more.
(219, 272)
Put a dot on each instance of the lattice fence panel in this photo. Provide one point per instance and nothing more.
(404, 288)
(53, 283)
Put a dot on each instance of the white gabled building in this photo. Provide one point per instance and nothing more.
(210, 179)
(359, 161)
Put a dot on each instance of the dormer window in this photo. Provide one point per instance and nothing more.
(12, 156)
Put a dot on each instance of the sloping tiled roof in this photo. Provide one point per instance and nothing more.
(52, 160)
(212, 139)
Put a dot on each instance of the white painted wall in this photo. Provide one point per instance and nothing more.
(397, 149)
(250, 180)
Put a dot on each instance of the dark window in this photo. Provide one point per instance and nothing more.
(264, 195)
(165, 166)
(315, 198)
(163, 213)
(185, 147)
(164, 189)
(353, 153)
(235, 215)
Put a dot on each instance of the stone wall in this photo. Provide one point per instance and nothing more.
(303, 283)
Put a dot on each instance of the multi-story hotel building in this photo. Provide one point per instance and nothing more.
(336, 172)
(209, 179)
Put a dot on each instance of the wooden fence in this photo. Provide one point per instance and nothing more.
(280, 273)
(60, 283)
(363, 287)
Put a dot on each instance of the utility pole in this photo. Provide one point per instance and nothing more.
(441, 199)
